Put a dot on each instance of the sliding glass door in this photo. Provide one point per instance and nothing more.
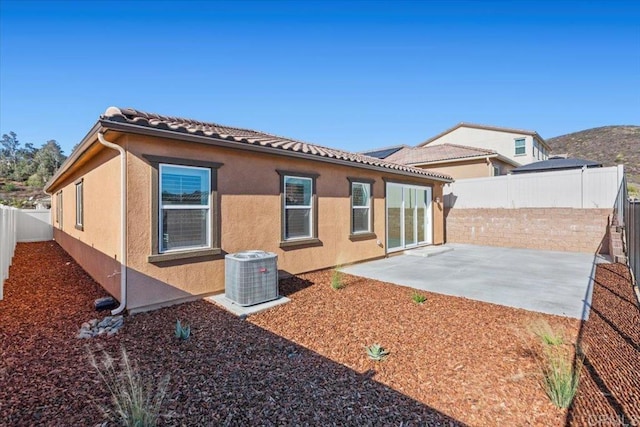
(408, 216)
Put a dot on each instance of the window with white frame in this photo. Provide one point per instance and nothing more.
(184, 208)
(298, 207)
(360, 207)
(79, 205)
(520, 147)
(496, 170)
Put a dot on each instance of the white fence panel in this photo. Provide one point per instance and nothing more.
(34, 225)
(577, 188)
(8, 219)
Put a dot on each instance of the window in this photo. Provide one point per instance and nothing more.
(59, 209)
(361, 207)
(520, 147)
(299, 217)
(496, 170)
(298, 207)
(184, 213)
(79, 206)
(185, 207)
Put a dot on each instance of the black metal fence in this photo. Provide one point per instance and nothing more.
(632, 234)
(628, 216)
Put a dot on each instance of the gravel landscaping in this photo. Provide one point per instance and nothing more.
(452, 361)
(609, 393)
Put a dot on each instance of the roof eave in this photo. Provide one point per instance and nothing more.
(228, 143)
(86, 142)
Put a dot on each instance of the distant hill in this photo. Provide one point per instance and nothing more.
(609, 145)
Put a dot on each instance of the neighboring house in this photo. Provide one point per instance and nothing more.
(557, 164)
(520, 146)
(149, 205)
(459, 161)
(383, 153)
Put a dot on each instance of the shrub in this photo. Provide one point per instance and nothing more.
(9, 186)
(336, 279)
(418, 298)
(560, 378)
(135, 401)
(376, 352)
(182, 331)
(35, 180)
(546, 334)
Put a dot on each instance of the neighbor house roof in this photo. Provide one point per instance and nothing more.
(556, 163)
(485, 127)
(439, 153)
(135, 121)
(383, 153)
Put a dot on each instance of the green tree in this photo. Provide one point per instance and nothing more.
(48, 159)
(9, 146)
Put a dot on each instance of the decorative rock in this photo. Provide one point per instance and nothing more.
(110, 325)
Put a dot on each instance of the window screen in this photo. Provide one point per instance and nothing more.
(185, 207)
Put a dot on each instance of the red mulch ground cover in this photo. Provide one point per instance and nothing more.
(453, 361)
(609, 393)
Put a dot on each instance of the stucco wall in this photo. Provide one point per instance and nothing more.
(97, 246)
(460, 170)
(559, 229)
(502, 142)
(250, 217)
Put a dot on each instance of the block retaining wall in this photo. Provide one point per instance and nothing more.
(556, 229)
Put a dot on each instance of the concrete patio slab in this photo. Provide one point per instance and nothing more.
(549, 282)
(241, 311)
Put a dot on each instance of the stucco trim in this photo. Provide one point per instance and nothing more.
(313, 240)
(195, 254)
(300, 243)
(187, 254)
(362, 236)
(370, 234)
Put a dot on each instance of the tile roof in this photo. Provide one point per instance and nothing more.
(251, 137)
(383, 153)
(435, 153)
(484, 127)
(555, 163)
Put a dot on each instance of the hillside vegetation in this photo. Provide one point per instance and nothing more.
(609, 145)
(24, 169)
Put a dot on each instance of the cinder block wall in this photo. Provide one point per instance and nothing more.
(558, 229)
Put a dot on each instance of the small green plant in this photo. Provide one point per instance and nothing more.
(135, 401)
(9, 186)
(418, 298)
(376, 352)
(336, 279)
(560, 378)
(546, 334)
(183, 332)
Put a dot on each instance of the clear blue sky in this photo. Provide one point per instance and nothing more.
(352, 75)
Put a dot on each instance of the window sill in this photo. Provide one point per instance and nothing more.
(172, 256)
(79, 227)
(362, 236)
(300, 243)
(519, 155)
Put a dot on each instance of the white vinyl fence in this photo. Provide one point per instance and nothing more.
(576, 188)
(34, 225)
(20, 225)
(8, 221)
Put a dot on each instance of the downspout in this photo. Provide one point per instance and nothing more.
(123, 222)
